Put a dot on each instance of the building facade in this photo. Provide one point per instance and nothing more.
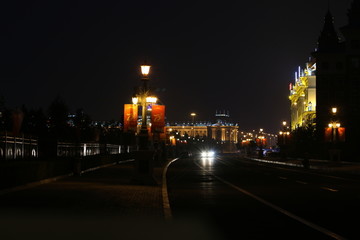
(335, 76)
(303, 96)
(223, 131)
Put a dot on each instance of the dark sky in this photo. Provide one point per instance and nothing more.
(206, 55)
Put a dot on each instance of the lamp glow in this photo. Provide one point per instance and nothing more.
(145, 69)
(135, 100)
(151, 99)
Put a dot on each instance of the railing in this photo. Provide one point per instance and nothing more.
(12, 147)
(88, 149)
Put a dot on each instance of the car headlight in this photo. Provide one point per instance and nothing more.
(211, 153)
(208, 154)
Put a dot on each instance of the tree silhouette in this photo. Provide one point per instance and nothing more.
(58, 116)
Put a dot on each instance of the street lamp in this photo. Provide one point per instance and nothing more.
(144, 98)
(334, 110)
(193, 115)
(284, 133)
(333, 135)
(334, 125)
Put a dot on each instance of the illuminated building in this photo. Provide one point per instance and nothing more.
(338, 78)
(303, 96)
(222, 131)
(337, 68)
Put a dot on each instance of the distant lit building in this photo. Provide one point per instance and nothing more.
(223, 131)
(303, 96)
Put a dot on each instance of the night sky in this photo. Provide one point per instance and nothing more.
(238, 56)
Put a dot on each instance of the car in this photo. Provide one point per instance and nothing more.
(208, 154)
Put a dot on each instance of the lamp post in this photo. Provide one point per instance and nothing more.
(261, 140)
(144, 98)
(193, 115)
(283, 135)
(144, 158)
(334, 125)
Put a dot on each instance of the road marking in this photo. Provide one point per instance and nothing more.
(277, 208)
(330, 189)
(165, 196)
(301, 182)
(284, 178)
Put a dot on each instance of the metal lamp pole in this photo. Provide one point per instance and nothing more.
(193, 115)
(144, 135)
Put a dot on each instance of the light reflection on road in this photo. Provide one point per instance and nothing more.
(207, 162)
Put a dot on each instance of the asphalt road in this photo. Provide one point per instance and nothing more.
(233, 198)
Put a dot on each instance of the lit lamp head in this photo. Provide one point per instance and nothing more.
(334, 110)
(145, 70)
(135, 100)
(284, 123)
(193, 114)
(151, 100)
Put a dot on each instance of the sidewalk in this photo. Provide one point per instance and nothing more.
(340, 167)
(102, 204)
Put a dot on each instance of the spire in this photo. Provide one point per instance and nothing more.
(354, 13)
(328, 39)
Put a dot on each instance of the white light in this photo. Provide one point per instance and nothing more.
(208, 154)
(151, 99)
(135, 100)
(145, 69)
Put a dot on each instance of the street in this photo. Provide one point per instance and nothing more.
(231, 197)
